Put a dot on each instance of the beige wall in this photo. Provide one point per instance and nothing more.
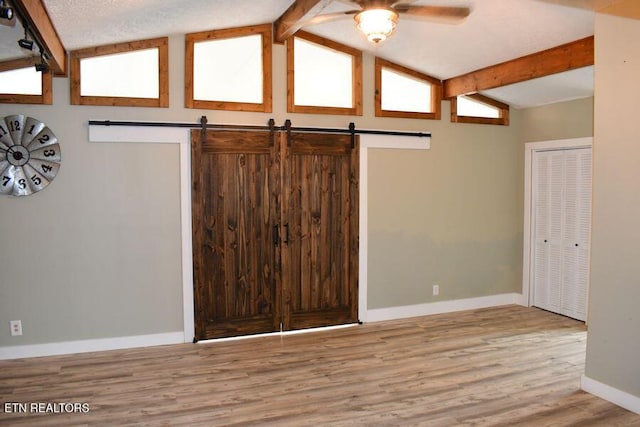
(97, 254)
(613, 344)
(450, 216)
(564, 120)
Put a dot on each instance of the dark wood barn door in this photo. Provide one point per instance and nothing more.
(235, 203)
(275, 231)
(320, 216)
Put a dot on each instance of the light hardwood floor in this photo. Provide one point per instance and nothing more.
(500, 366)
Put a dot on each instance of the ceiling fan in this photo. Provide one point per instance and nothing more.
(377, 19)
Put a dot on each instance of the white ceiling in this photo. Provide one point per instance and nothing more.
(496, 31)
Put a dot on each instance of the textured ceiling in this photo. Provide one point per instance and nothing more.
(496, 31)
(566, 86)
(9, 34)
(83, 23)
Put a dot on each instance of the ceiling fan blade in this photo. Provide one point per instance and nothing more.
(374, 4)
(401, 3)
(319, 19)
(351, 3)
(440, 14)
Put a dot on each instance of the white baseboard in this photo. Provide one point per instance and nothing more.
(520, 300)
(402, 312)
(375, 315)
(85, 346)
(613, 395)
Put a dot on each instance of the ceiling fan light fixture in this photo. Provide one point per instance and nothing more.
(377, 24)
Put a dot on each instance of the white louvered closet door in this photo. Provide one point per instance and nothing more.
(562, 223)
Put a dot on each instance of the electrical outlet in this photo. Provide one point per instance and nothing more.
(16, 327)
(436, 290)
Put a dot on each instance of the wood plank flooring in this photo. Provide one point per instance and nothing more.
(500, 366)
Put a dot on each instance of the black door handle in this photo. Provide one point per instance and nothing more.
(276, 235)
(286, 234)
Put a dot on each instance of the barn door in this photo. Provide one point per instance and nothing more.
(275, 231)
(235, 204)
(320, 230)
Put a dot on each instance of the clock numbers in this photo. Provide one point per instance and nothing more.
(46, 168)
(22, 183)
(43, 139)
(3, 131)
(36, 180)
(49, 153)
(31, 129)
(14, 125)
(6, 180)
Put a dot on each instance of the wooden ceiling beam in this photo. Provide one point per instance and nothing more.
(562, 58)
(37, 18)
(294, 17)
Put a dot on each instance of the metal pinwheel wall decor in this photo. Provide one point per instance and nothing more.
(29, 155)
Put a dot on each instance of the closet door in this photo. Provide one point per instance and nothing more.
(576, 232)
(562, 224)
(235, 199)
(320, 230)
(548, 182)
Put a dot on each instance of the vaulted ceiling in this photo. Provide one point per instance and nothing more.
(495, 31)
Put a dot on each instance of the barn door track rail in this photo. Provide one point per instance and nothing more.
(270, 127)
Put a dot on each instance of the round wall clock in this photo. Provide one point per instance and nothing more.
(29, 155)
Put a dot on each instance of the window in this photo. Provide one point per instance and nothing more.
(477, 108)
(229, 69)
(20, 83)
(125, 74)
(402, 92)
(323, 77)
